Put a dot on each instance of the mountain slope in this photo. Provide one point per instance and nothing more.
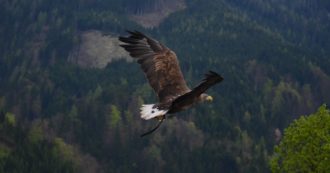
(87, 119)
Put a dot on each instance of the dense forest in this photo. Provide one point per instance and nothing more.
(56, 116)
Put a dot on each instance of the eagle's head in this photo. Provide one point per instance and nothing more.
(206, 98)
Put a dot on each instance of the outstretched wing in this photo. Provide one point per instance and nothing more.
(159, 63)
(211, 78)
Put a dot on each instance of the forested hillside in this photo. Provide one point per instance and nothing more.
(56, 116)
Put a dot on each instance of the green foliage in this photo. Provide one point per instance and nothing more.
(73, 114)
(10, 119)
(4, 154)
(36, 134)
(305, 146)
(62, 149)
(115, 116)
(273, 56)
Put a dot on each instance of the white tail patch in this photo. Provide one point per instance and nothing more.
(148, 112)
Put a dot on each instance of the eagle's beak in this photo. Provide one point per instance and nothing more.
(209, 98)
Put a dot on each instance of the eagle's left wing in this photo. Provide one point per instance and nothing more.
(211, 78)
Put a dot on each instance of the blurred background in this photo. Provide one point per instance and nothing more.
(70, 96)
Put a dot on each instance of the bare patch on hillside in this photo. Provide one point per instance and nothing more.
(154, 17)
(97, 50)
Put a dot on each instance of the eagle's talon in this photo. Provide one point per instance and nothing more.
(160, 118)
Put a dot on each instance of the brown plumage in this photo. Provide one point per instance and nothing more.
(159, 63)
(163, 72)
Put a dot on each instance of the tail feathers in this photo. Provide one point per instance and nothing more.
(148, 112)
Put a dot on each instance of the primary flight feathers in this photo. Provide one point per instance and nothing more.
(158, 62)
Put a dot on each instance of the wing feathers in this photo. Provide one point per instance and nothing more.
(211, 78)
(136, 35)
(158, 62)
(129, 40)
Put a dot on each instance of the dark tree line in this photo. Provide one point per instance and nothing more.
(58, 117)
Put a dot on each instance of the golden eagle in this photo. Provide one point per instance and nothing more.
(162, 69)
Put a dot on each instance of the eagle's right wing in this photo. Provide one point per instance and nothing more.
(159, 63)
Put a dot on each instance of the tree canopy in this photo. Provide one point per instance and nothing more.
(56, 116)
(305, 146)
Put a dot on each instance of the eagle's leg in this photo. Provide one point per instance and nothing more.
(161, 119)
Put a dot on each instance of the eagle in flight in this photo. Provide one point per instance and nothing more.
(163, 72)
